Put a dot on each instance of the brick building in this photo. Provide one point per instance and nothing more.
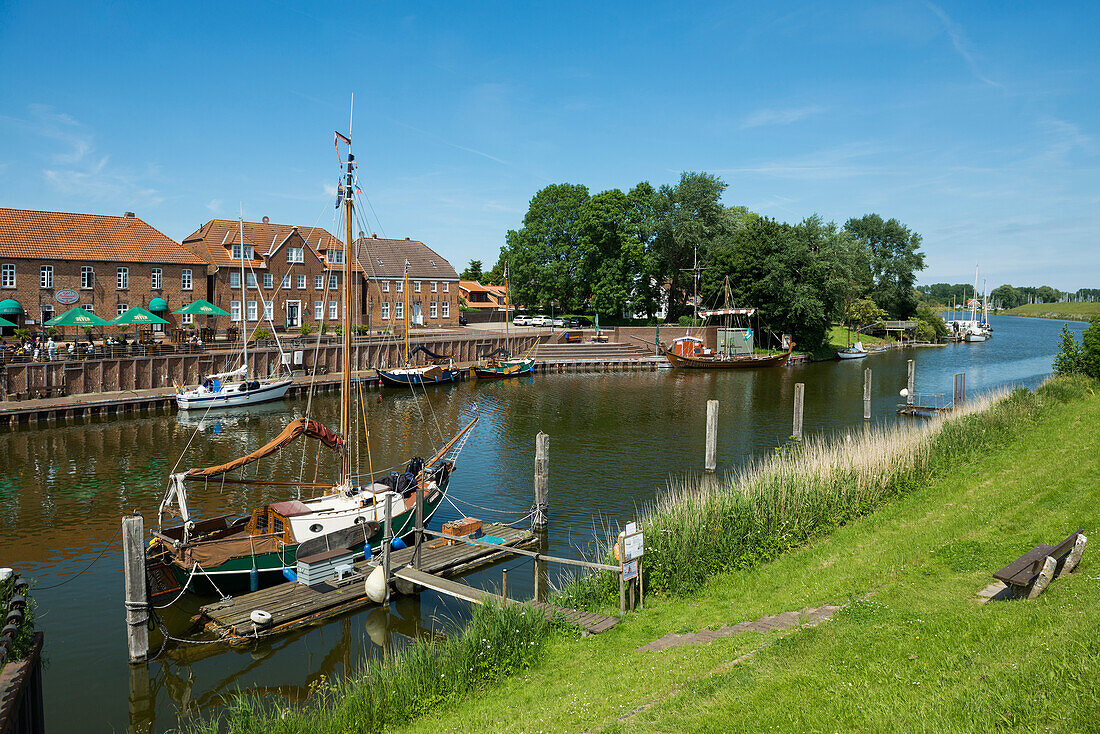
(287, 281)
(433, 284)
(51, 262)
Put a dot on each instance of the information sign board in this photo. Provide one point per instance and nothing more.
(633, 546)
(630, 570)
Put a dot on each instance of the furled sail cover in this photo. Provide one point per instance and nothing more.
(294, 429)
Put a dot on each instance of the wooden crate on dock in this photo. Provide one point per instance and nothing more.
(466, 526)
(321, 567)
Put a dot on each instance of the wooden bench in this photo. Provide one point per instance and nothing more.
(1034, 570)
(601, 338)
(573, 337)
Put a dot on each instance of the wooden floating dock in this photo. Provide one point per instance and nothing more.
(924, 411)
(293, 605)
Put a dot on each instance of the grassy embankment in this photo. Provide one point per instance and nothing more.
(1064, 311)
(967, 496)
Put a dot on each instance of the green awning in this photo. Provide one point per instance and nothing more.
(10, 306)
(137, 315)
(76, 317)
(4, 322)
(201, 308)
(158, 304)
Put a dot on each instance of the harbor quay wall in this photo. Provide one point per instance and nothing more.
(643, 336)
(79, 377)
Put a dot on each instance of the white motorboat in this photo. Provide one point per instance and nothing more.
(856, 351)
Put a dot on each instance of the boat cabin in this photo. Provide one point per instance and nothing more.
(689, 346)
(274, 519)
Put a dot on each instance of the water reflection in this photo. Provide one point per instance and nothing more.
(616, 438)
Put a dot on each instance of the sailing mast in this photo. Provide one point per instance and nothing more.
(507, 336)
(244, 301)
(405, 291)
(345, 392)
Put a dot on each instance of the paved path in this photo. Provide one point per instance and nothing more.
(808, 616)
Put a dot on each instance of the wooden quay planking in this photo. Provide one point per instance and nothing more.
(293, 605)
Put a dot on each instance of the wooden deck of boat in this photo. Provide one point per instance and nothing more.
(293, 605)
(594, 623)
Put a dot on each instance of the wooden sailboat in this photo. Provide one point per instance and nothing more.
(429, 374)
(261, 546)
(236, 387)
(505, 365)
(689, 352)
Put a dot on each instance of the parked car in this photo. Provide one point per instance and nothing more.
(581, 321)
(521, 319)
(541, 321)
(559, 321)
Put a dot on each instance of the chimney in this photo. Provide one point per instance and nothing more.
(373, 236)
(406, 239)
(129, 215)
(267, 221)
(362, 234)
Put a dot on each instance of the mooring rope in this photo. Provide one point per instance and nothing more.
(81, 572)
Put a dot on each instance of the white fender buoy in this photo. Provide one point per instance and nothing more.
(260, 618)
(375, 585)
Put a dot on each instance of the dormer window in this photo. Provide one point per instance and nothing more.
(248, 252)
(295, 254)
(335, 257)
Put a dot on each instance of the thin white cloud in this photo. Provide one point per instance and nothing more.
(958, 40)
(768, 117)
(844, 161)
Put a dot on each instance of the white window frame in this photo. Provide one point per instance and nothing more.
(234, 311)
(416, 286)
(269, 281)
(122, 279)
(318, 282)
(45, 276)
(433, 310)
(334, 310)
(250, 281)
(121, 308)
(385, 310)
(7, 275)
(301, 282)
(251, 310)
(399, 310)
(234, 279)
(334, 257)
(446, 309)
(187, 280)
(334, 282)
(446, 286)
(285, 282)
(87, 277)
(385, 286)
(318, 310)
(400, 286)
(434, 286)
(269, 310)
(187, 318)
(156, 279)
(249, 252)
(88, 307)
(295, 254)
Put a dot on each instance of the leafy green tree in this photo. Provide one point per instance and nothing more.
(1069, 360)
(546, 257)
(895, 258)
(1007, 296)
(1090, 350)
(612, 251)
(935, 322)
(864, 312)
(473, 271)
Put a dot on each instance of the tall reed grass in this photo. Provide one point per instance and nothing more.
(699, 527)
(496, 643)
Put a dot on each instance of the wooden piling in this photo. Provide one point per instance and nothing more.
(867, 394)
(504, 586)
(712, 436)
(911, 382)
(540, 519)
(799, 399)
(137, 602)
(387, 547)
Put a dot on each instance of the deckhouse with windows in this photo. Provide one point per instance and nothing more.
(51, 262)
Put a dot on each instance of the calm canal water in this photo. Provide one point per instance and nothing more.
(616, 439)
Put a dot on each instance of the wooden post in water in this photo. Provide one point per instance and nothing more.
(387, 547)
(504, 587)
(867, 394)
(911, 382)
(137, 603)
(799, 400)
(539, 580)
(712, 436)
(540, 519)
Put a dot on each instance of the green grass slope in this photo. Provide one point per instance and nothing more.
(1070, 311)
(911, 651)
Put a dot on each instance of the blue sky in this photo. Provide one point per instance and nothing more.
(974, 124)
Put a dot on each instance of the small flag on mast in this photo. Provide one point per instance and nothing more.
(340, 139)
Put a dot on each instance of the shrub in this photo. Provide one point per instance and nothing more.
(262, 335)
(305, 329)
(1079, 359)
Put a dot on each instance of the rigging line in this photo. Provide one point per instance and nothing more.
(183, 590)
(490, 509)
(81, 572)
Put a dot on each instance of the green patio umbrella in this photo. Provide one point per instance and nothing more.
(136, 315)
(201, 308)
(77, 317)
(4, 322)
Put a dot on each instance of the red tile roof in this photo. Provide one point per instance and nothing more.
(43, 235)
(385, 259)
(213, 240)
